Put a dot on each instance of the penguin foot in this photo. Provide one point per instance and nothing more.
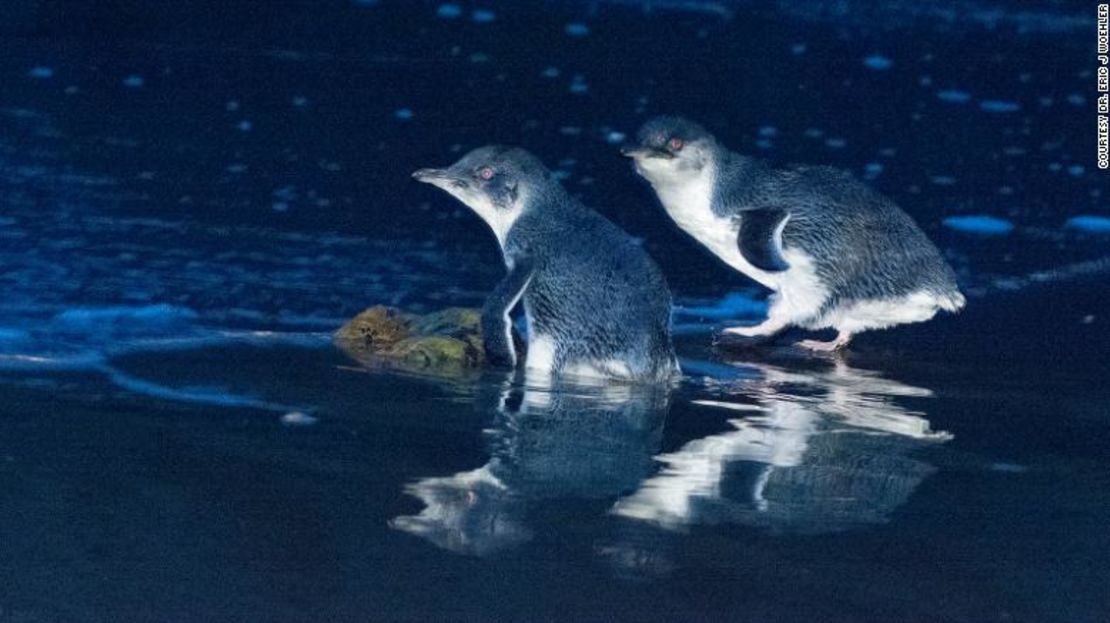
(832, 346)
(744, 331)
(763, 329)
(819, 346)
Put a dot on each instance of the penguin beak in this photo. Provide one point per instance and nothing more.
(638, 152)
(442, 178)
(430, 176)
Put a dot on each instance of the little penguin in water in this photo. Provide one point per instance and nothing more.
(595, 303)
(835, 253)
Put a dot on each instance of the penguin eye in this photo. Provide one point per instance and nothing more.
(676, 144)
(486, 173)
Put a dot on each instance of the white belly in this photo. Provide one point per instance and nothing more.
(540, 363)
(799, 294)
(541, 354)
(882, 313)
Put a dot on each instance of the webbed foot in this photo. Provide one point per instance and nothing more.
(766, 328)
(831, 346)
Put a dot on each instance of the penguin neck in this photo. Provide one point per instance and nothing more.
(501, 224)
(689, 199)
(502, 221)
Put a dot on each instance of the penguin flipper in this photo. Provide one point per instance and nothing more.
(760, 238)
(497, 337)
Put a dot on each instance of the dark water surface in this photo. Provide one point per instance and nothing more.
(195, 196)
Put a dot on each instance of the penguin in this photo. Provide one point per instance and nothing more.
(834, 253)
(588, 439)
(830, 450)
(595, 303)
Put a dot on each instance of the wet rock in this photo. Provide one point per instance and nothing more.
(448, 338)
(378, 328)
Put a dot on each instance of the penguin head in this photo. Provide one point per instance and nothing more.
(670, 150)
(494, 181)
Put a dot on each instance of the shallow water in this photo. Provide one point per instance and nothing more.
(785, 489)
(188, 212)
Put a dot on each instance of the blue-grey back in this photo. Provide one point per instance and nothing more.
(864, 246)
(591, 278)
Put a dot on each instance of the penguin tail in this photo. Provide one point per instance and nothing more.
(952, 302)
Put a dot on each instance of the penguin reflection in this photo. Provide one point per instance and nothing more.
(815, 453)
(575, 440)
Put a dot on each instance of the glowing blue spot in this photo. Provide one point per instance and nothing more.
(953, 96)
(872, 169)
(878, 62)
(1076, 170)
(798, 49)
(134, 81)
(298, 418)
(769, 131)
(733, 305)
(980, 224)
(448, 11)
(41, 73)
(577, 29)
(244, 126)
(404, 114)
(999, 106)
(482, 16)
(1089, 223)
(300, 101)
(714, 370)
(550, 72)
(123, 320)
(615, 138)
(835, 143)
(13, 336)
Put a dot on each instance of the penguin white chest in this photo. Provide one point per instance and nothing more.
(799, 292)
(689, 204)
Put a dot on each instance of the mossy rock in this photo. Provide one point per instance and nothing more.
(461, 322)
(378, 328)
(448, 338)
(436, 351)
